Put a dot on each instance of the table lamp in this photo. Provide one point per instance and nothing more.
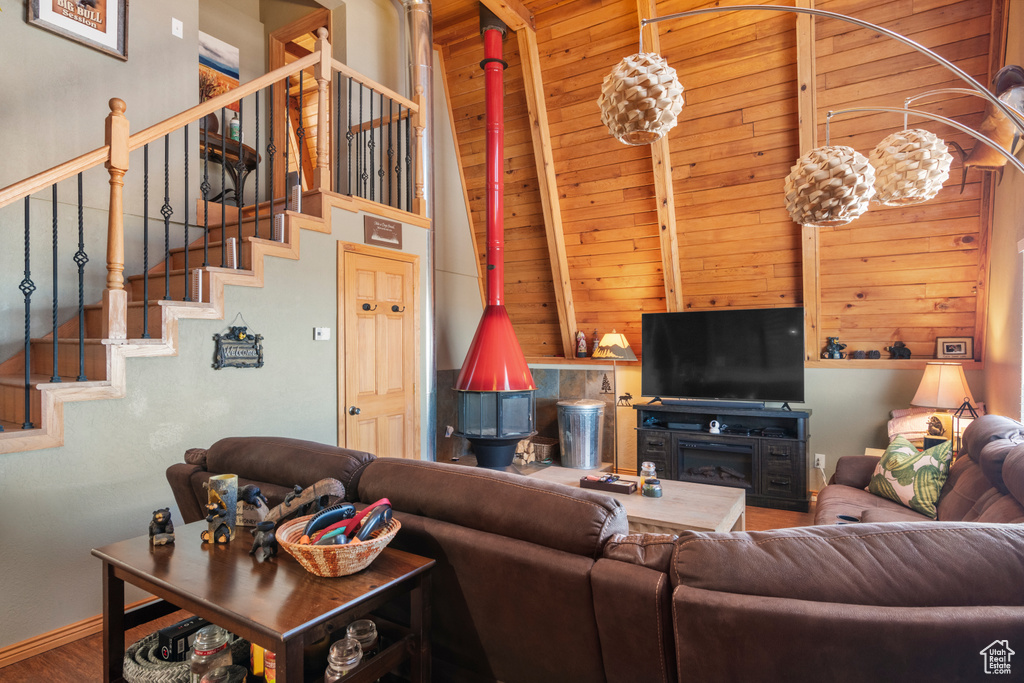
(944, 387)
(614, 347)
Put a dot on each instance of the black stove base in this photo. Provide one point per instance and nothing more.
(495, 453)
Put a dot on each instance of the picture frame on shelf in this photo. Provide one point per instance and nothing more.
(954, 347)
(99, 24)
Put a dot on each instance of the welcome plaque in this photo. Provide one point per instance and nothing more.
(383, 233)
(237, 348)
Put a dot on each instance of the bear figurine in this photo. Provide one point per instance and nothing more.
(161, 529)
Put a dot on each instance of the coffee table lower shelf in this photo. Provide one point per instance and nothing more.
(277, 604)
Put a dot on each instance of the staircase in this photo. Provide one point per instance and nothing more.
(130, 321)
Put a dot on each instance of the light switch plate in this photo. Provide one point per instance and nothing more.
(321, 334)
(176, 28)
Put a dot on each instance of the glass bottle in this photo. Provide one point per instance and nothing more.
(209, 651)
(365, 631)
(344, 656)
(647, 471)
(234, 128)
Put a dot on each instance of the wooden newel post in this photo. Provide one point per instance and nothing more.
(115, 298)
(322, 174)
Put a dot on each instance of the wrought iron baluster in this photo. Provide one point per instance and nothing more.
(398, 164)
(166, 211)
(300, 133)
(287, 143)
(188, 294)
(408, 164)
(145, 241)
(80, 260)
(360, 159)
(223, 193)
(380, 159)
(271, 150)
(337, 132)
(55, 377)
(391, 148)
(27, 287)
(349, 172)
(239, 201)
(256, 182)
(205, 188)
(370, 148)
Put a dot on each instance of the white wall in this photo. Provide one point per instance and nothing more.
(1003, 337)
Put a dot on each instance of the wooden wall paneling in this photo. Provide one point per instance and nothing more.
(443, 59)
(661, 161)
(548, 187)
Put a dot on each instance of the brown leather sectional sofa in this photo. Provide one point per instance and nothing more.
(540, 582)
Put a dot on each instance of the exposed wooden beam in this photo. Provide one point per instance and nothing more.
(513, 13)
(661, 160)
(533, 83)
(481, 283)
(807, 111)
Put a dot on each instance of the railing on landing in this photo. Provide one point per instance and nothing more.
(265, 138)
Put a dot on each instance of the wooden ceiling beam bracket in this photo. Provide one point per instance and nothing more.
(533, 82)
(512, 13)
(664, 193)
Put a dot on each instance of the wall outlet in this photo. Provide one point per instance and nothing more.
(177, 30)
(819, 461)
(321, 333)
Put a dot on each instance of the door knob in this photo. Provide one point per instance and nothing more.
(395, 309)
(366, 307)
(353, 410)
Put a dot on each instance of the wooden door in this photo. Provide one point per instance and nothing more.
(378, 348)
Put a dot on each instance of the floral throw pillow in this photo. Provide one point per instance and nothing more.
(911, 477)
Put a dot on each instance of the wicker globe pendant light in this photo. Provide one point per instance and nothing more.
(641, 99)
(910, 167)
(829, 186)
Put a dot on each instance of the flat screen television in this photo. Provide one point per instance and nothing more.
(732, 355)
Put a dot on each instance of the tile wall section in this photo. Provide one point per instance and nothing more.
(553, 385)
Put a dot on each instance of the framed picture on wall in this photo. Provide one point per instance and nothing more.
(954, 347)
(100, 24)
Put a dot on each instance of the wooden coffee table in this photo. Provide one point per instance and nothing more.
(683, 505)
(277, 604)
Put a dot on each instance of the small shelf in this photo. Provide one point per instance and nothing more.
(889, 363)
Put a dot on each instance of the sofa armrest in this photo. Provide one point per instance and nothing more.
(179, 476)
(937, 563)
(855, 470)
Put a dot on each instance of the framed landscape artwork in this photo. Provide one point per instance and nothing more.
(218, 68)
(954, 347)
(100, 24)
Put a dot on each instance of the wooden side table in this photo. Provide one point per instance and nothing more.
(277, 604)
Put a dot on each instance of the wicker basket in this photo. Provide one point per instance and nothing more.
(333, 560)
(545, 447)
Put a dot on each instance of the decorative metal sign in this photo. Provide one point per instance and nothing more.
(382, 232)
(236, 348)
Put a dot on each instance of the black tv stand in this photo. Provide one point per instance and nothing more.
(762, 450)
(708, 403)
(785, 406)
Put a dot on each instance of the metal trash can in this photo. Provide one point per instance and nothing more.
(580, 433)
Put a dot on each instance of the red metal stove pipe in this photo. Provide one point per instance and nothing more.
(494, 69)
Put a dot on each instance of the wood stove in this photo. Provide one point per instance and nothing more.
(496, 390)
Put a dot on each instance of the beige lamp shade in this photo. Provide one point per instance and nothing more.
(829, 186)
(942, 386)
(910, 167)
(641, 99)
(614, 346)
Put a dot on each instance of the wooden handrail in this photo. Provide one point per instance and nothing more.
(374, 85)
(39, 181)
(157, 131)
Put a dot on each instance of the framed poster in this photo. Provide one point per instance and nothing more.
(954, 347)
(218, 68)
(100, 24)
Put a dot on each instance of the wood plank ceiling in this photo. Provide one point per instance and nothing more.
(911, 274)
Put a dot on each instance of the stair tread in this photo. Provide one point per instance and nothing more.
(67, 340)
(16, 428)
(34, 379)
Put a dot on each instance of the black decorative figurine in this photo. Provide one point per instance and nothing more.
(833, 349)
(264, 544)
(161, 530)
(898, 350)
